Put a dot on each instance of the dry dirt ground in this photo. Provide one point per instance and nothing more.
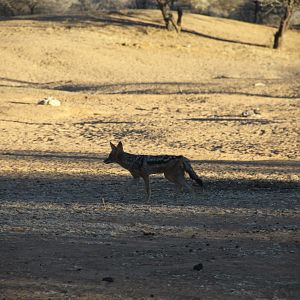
(216, 93)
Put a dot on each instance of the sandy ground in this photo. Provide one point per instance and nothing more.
(215, 94)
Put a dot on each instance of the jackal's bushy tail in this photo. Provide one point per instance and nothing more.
(188, 168)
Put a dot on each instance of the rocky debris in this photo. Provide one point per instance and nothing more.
(275, 151)
(198, 267)
(216, 147)
(250, 112)
(256, 111)
(247, 113)
(262, 132)
(148, 233)
(49, 101)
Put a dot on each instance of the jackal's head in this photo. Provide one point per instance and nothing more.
(114, 154)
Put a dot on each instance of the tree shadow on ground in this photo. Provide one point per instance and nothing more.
(171, 88)
(141, 266)
(224, 86)
(104, 20)
(66, 232)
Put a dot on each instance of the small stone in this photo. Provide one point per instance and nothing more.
(256, 111)
(216, 147)
(108, 279)
(259, 84)
(275, 151)
(148, 233)
(198, 267)
(262, 132)
(49, 101)
(247, 113)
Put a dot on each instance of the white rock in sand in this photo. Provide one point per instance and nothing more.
(49, 101)
(259, 84)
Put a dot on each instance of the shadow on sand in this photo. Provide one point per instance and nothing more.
(219, 191)
(233, 86)
(123, 20)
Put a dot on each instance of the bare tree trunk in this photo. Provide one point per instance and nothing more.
(32, 8)
(256, 10)
(8, 8)
(165, 8)
(284, 24)
(180, 14)
(141, 4)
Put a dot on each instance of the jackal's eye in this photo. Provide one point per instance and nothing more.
(112, 156)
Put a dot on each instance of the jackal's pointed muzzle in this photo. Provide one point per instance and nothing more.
(108, 160)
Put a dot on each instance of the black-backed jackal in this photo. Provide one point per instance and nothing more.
(173, 167)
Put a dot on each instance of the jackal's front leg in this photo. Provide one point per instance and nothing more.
(147, 186)
(131, 187)
(133, 183)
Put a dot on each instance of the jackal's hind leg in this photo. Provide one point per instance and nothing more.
(176, 176)
(183, 184)
(170, 177)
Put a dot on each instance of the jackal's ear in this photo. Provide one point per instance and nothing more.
(120, 146)
(113, 147)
